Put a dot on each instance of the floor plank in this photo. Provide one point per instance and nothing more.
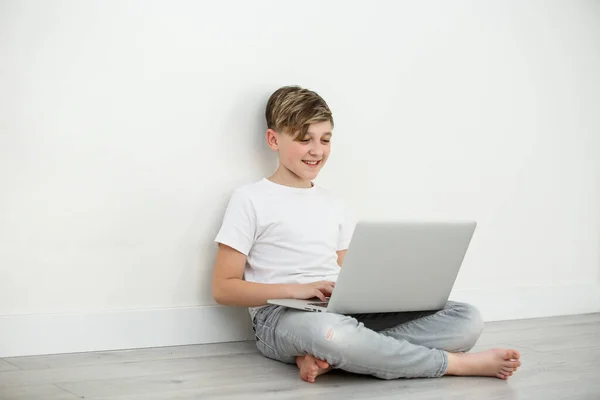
(123, 356)
(45, 392)
(126, 370)
(560, 360)
(220, 375)
(6, 366)
(534, 334)
(580, 319)
(331, 386)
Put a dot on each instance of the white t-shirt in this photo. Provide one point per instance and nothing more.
(289, 235)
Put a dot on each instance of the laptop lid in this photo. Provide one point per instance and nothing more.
(401, 266)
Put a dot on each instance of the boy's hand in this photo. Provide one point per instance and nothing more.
(321, 289)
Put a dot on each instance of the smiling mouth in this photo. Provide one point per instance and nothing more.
(312, 163)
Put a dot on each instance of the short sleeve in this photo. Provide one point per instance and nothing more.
(239, 223)
(347, 226)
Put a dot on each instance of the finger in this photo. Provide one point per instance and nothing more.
(327, 290)
(320, 295)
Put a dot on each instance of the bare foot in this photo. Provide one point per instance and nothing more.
(311, 367)
(500, 363)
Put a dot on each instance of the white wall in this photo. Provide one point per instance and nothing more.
(124, 127)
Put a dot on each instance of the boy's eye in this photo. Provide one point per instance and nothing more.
(325, 141)
(305, 140)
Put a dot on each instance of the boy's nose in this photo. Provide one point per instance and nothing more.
(316, 150)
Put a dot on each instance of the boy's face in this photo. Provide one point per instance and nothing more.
(304, 157)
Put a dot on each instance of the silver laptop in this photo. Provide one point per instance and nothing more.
(395, 267)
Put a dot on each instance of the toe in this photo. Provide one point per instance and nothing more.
(513, 354)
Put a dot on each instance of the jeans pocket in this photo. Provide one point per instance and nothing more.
(265, 322)
(269, 351)
(261, 341)
(264, 347)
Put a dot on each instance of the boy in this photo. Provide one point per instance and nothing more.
(285, 237)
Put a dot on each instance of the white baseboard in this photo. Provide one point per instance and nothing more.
(36, 334)
(532, 301)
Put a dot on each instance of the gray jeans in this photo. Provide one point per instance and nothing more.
(387, 346)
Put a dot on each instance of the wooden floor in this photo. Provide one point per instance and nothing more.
(561, 360)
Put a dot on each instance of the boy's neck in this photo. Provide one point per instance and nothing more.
(286, 178)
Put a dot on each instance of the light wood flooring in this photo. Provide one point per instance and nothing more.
(561, 360)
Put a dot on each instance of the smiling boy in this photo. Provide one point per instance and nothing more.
(286, 237)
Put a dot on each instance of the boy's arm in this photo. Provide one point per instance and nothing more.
(341, 254)
(229, 288)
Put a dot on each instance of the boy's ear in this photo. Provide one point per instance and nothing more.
(272, 139)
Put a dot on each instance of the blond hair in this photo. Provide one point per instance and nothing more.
(291, 109)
